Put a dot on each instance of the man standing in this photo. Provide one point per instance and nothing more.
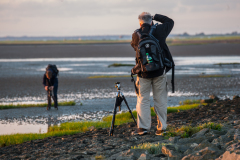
(156, 79)
(50, 83)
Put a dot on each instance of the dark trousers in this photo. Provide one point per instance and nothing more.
(54, 97)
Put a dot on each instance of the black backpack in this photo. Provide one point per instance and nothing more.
(149, 53)
(53, 67)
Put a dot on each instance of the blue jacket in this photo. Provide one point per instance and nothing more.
(52, 82)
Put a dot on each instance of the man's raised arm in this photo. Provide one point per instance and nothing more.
(167, 23)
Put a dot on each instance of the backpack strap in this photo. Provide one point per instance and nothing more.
(172, 81)
(153, 27)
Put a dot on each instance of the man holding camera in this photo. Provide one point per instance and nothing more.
(50, 83)
(157, 79)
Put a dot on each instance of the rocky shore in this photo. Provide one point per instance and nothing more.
(97, 144)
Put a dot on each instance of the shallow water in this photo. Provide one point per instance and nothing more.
(99, 66)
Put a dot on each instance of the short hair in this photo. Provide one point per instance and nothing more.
(49, 74)
(145, 17)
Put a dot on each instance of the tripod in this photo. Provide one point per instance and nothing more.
(119, 98)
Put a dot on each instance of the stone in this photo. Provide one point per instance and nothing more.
(235, 97)
(173, 139)
(213, 97)
(230, 156)
(170, 151)
(207, 101)
(230, 133)
(201, 133)
(91, 128)
(128, 155)
(194, 145)
(143, 156)
(233, 147)
(201, 146)
(183, 147)
(191, 140)
(204, 154)
(237, 122)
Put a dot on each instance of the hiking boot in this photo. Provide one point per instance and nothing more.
(139, 131)
(56, 107)
(48, 108)
(160, 132)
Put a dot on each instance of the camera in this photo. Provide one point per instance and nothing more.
(49, 92)
(117, 85)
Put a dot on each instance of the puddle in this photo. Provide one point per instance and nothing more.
(40, 124)
(14, 128)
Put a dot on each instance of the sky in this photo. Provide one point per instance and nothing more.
(114, 17)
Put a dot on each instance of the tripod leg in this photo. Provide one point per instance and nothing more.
(129, 108)
(113, 119)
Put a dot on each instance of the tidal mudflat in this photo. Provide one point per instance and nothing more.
(22, 67)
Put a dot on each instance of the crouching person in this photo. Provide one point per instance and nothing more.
(50, 83)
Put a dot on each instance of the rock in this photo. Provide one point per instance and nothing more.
(77, 157)
(201, 146)
(143, 156)
(194, 145)
(230, 133)
(213, 134)
(222, 141)
(230, 156)
(87, 153)
(233, 147)
(235, 97)
(236, 137)
(173, 139)
(232, 152)
(183, 147)
(213, 97)
(131, 154)
(170, 158)
(170, 151)
(207, 101)
(237, 122)
(191, 140)
(204, 154)
(91, 128)
(201, 133)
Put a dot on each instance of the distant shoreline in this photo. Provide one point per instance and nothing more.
(170, 41)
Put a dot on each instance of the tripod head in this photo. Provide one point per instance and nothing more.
(118, 85)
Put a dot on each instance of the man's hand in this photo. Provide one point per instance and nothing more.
(46, 88)
(51, 88)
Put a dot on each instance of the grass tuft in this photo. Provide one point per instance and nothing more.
(12, 106)
(188, 131)
(120, 65)
(235, 63)
(6, 140)
(190, 101)
(181, 108)
(151, 147)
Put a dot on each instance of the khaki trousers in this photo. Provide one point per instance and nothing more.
(159, 89)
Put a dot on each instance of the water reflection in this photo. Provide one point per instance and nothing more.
(21, 127)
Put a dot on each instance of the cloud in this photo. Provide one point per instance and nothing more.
(81, 17)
